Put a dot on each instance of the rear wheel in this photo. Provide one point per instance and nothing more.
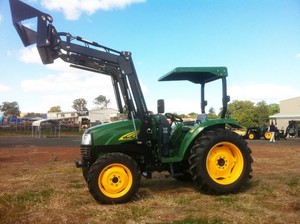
(267, 135)
(114, 178)
(220, 162)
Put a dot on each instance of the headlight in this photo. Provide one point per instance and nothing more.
(86, 139)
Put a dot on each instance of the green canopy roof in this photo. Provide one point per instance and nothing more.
(199, 75)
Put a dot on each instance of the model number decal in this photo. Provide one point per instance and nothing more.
(128, 136)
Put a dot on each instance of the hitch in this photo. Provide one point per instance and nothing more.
(80, 164)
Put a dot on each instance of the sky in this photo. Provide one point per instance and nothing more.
(258, 41)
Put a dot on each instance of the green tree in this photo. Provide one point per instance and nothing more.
(247, 114)
(79, 104)
(181, 115)
(101, 102)
(273, 109)
(193, 115)
(10, 109)
(55, 109)
(243, 112)
(212, 113)
(262, 113)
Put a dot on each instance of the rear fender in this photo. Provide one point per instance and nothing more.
(197, 130)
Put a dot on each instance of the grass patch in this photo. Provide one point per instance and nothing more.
(226, 199)
(184, 201)
(293, 182)
(76, 184)
(264, 190)
(26, 199)
(134, 213)
(190, 220)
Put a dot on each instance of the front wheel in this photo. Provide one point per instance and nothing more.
(85, 172)
(114, 178)
(220, 162)
(251, 136)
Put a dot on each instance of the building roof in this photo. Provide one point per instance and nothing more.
(285, 116)
(50, 120)
(293, 98)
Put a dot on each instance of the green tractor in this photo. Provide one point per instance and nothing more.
(114, 156)
(258, 133)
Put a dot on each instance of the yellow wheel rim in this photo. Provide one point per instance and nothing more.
(251, 136)
(268, 135)
(225, 163)
(115, 180)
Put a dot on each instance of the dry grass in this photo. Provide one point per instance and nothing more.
(55, 192)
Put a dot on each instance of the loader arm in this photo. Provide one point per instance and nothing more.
(87, 55)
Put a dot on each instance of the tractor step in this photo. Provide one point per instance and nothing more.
(174, 175)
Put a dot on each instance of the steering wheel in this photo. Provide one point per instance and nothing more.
(173, 117)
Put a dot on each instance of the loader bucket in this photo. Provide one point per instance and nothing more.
(41, 36)
(20, 12)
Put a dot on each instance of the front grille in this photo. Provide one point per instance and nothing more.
(85, 153)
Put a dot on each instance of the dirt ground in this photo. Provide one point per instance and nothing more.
(273, 163)
(39, 150)
(43, 150)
